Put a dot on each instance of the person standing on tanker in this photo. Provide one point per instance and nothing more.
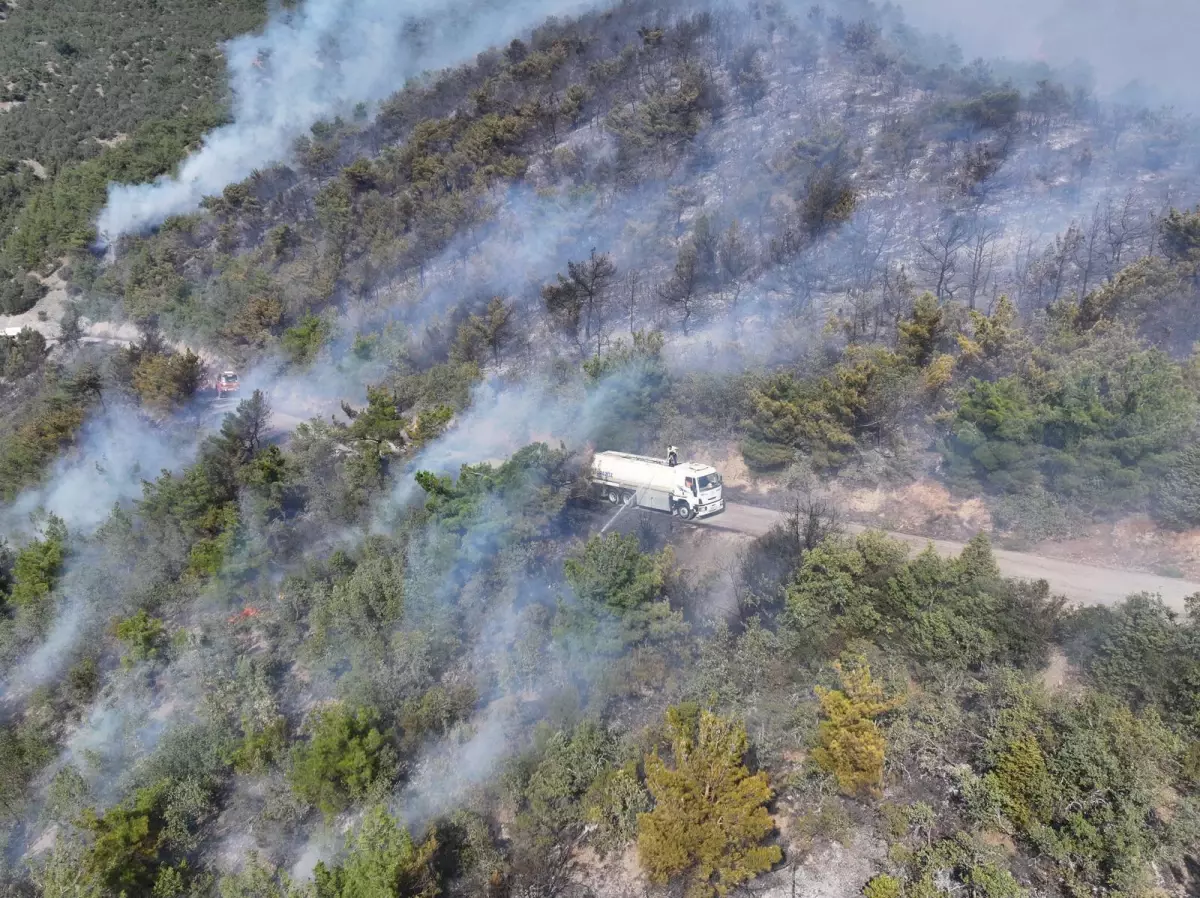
(672, 456)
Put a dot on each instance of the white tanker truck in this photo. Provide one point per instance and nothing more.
(689, 490)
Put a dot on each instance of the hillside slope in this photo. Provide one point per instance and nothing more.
(397, 651)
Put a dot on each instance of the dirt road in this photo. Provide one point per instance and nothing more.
(1080, 583)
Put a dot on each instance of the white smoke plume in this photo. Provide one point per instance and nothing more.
(454, 766)
(314, 63)
(118, 449)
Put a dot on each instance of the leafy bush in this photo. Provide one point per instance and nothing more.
(20, 295)
(883, 885)
(1047, 762)
(61, 217)
(36, 568)
(260, 747)
(143, 635)
(1140, 651)
(81, 683)
(555, 791)
(825, 418)
(951, 612)
(43, 428)
(484, 337)
(127, 849)
(303, 341)
(619, 593)
(1033, 514)
(829, 201)
(615, 802)
(344, 757)
(668, 118)
(165, 381)
(633, 380)
(1022, 780)
(23, 354)
(961, 862)
(383, 862)
(1152, 294)
(25, 748)
(1090, 427)
(995, 109)
(1181, 234)
(525, 499)
(431, 715)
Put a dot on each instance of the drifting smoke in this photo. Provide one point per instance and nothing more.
(118, 450)
(500, 423)
(497, 423)
(48, 658)
(93, 589)
(454, 766)
(1144, 47)
(119, 731)
(315, 63)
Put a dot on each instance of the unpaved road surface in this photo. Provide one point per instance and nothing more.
(1082, 584)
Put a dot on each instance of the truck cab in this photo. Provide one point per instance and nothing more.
(702, 489)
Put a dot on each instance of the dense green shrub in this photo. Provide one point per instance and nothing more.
(1092, 426)
(164, 381)
(618, 592)
(383, 861)
(956, 611)
(345, 756)
(143, 635)
(709, 825)
(826, 418)
(42, 428)
(38, 565)
(19, 294)
(305, 339)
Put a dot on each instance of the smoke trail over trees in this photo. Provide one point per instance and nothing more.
(116, 451)
(324, 59)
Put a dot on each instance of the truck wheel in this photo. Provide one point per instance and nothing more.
(684, 511)
(614, 497)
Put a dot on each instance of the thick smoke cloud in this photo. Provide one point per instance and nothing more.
(1147, 45)
(316, 63)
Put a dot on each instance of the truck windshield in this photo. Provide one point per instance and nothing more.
(710, 481)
